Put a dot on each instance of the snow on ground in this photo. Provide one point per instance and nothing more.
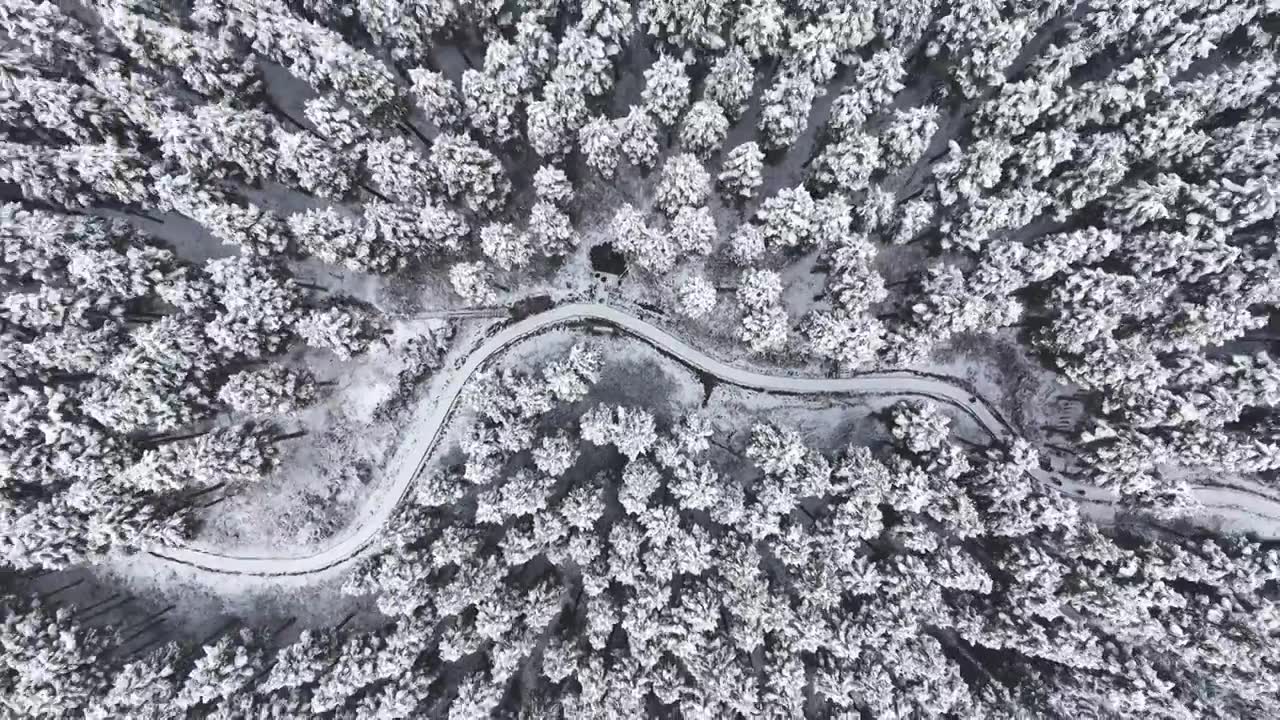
(1001, 370)
(188, 240)
(827, 423)
(324, 475)
(327, 474)
(631, 372)
(1249, 522)
(202, 601)
(269, 518)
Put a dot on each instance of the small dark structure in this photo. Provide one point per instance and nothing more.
(531, 306)
(605, 259)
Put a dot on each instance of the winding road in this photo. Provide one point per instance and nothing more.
(430, 423)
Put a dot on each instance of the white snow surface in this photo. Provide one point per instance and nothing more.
(428, 425)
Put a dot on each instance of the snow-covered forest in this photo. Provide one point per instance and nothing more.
(925, 580)
(251, 249)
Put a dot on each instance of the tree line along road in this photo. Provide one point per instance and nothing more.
(430, 422)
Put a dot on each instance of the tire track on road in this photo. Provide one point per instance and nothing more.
(432, 419)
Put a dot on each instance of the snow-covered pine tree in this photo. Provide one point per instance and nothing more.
(344, 328)
(270, 390)
(685, 183)
(704, 128)
(666, 90)
(742, 171)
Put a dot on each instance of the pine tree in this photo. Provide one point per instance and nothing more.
(789, 218)
(742, 171)
(764, 328)
(551, 229)
(274, 389)
(505, 246)
(599, 140)
(705, 127)
(219, 141)
(785, 111)
(398, 170)
(336, 123)
(339, 239)
(490, 103)
(666, 90)
(907, 137)
(144, 688)
(231, 220)
(913, 217)
(158, 382)
(551, 184)
(437, 97)
(650, 248)
(762, 28)
(747, 244)
(555, 118)
(478, 697)
(52, 111)
(470, 172)
(693, 231)
(850, 340)
(234, 455)
(696, 297)
(876, 81)
(472, 282)
(696, 23)
(353, 669)
(638, 134)
(317, 55)
(79, 176)
(345, 329)
(584, 61)
(920, 427)
(314, 166)
(569, 380)
(227, 667)
(256, 306)
(556, 454)
(685, 183)
(730, 82)
(847, 166)
(53, 668)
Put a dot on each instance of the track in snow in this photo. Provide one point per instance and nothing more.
(432, 418)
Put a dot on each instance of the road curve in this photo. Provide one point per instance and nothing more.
(431, 420)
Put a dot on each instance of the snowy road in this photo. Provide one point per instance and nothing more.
(431, 421)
